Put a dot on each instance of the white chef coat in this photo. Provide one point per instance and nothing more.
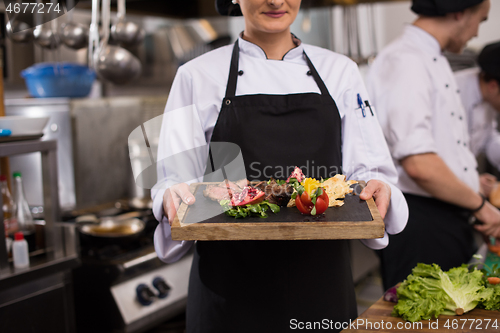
(481, 117)
(195, 100)
(418, 102)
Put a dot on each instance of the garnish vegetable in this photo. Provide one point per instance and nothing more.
(259, 209)
(429, 292)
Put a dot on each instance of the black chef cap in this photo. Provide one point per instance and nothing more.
(228, 8)
(489, 60)
(441, 7)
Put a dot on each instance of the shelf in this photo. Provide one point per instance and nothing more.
(58, 239)
(47, 279)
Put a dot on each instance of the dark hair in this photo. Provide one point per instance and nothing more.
(475, 8)
(488, 78)
(228, 8)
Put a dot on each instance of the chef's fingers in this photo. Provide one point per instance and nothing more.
(172, 199)
(488, 178)
(489, 216)
(381, 193)
(170, 205)
(182, 190)
(487, 183)
(489, 229)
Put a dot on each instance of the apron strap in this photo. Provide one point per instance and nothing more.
(233, 73)
(315, 75)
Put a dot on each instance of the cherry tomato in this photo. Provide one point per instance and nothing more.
(301, 207)
(305, 206)
(321, 206)
(494, 248)
(325, 198)
(494, 280)
(306, 199)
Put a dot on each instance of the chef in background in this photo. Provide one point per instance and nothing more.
(480, 93)
(284, 103)
(418, 102)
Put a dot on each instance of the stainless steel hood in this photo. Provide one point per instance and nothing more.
(204, 8)
(171, 9)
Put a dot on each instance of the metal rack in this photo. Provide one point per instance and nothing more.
(48, 278)
(48, 150)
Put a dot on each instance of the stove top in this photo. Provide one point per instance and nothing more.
(119, 251)
(111, 252)
(123, 286)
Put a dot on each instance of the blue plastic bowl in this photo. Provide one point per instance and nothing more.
(58, 80)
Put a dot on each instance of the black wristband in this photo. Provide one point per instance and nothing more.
(482, 204)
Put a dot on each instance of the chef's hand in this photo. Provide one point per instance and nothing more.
(172, 199)
(487, 182)
(381, 193)
(489, 215)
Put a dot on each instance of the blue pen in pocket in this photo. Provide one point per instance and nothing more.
(5, 132)
(361, 106)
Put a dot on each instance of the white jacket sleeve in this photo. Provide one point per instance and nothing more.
(366, 156)
(181, 158)
(493, 145)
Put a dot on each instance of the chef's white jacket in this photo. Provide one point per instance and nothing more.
(418, 101)
(481, 117)
(195, 100)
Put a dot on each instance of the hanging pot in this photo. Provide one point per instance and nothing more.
(126, 33)
(113, 63)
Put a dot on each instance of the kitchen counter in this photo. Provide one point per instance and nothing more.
(378, 319)
(40, 266)
(45, 286)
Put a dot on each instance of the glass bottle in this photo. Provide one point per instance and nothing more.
(22, 212)
(8, 207)
(8, 242)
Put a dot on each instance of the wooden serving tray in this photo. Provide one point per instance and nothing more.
(377, 318)
(356, 219)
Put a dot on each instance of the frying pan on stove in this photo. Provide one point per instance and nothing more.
(111, 230)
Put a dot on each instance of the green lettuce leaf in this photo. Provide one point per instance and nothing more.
(493, 302)
(465, 289)
(429, 292)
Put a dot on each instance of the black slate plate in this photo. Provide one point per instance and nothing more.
(353, 210)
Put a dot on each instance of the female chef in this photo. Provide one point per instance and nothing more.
(284, 104)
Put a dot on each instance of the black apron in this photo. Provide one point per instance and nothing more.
(436, 232)
(271, 286)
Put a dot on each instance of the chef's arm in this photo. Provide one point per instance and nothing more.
(431, 173)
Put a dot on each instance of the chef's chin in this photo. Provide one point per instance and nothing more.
(456, 47)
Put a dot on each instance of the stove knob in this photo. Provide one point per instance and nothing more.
(145, 295)
(162, 286)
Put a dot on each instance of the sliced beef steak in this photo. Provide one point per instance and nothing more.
(216, 193)
(224, 190)
(276, 194)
